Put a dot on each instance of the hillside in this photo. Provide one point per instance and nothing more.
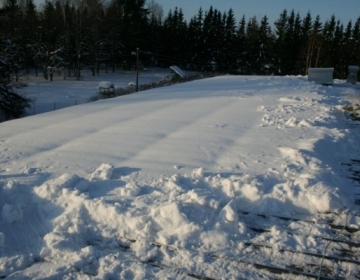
(233, 177)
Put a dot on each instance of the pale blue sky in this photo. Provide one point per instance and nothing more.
(344, 10)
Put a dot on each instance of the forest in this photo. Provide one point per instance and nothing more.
(86, 34)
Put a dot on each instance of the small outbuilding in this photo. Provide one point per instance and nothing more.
(106, 88)
(352, 77)
(322, 76)
(178, 71)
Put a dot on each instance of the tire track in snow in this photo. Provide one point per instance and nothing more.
(207, 150)
(93, 123)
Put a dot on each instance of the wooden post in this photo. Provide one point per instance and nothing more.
(137, 69)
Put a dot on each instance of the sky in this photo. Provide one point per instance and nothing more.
(228, 177)
(343, 10)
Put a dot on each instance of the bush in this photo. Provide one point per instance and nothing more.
(12, 104)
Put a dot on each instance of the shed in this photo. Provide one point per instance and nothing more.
(106, 88)
(322, 76)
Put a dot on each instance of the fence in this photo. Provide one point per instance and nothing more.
(39, 108)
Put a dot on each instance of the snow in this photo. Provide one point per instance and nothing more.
(105, 84)
(178, 71)
(155, 184)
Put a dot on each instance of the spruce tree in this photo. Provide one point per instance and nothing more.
(230, 42)
(12, 104)
(280, 49)
(195, 35)
(266, 40)
(174, 39)
(241, 46)
(314, 44)
(356, 43)
(253, 46)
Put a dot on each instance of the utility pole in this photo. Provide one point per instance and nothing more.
(137, 69)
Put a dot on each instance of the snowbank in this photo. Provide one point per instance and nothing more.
(161, 183)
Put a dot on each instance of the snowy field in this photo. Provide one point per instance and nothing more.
(60, 93)
(231, 177)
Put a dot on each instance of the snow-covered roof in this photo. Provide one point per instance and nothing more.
(178, 71)
(106, 84)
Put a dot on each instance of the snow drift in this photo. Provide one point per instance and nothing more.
(163, 176)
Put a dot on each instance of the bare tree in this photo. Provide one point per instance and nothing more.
(156, 12)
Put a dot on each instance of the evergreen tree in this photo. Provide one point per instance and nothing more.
(31, 34)
(329, 53)
(293, 43)
(241, 46)
(195, 35)
(314, 44)
(266, 47)
(12, 104)
(219, 44)
(288, 43)
(305, 31)
(87, 33)
(11, 37)
(253, 46)
(337, 45)
(209, 39)
(128, 23)
(230, 38)
(356, 43)
(347, 50)
(11, 21)
(174, 39)
(155, 18)
(95, 46)
(281, 27)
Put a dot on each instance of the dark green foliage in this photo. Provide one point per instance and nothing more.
(84, 34)
(12, 104)
(174, 33)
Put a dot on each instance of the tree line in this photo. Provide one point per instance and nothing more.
(77, 34)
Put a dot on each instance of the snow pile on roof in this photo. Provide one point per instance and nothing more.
(106, 84)
(175, 181)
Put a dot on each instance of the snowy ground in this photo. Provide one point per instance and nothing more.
(223, 178)
(61, 93)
